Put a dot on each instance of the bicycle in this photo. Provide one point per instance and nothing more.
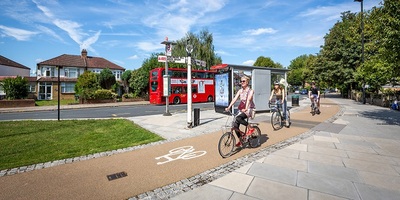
(227, 141)
(314, 107)
(278, 120)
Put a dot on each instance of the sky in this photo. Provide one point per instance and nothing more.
(127, 32)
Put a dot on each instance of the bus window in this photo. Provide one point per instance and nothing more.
(200, 75)
(154, 86)
(194, 90)
(177, 90)
(154, 73)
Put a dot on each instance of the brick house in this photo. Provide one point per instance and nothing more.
(12, 69)
(69, 67)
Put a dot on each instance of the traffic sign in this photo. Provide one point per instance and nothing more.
(172, 59)
(200, 62)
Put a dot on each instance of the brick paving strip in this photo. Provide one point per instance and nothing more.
(64, 179)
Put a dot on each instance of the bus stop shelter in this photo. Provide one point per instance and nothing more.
(227, 83)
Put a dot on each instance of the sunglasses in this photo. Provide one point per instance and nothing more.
(243, 81)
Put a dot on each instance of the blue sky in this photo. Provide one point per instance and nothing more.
(126, 32)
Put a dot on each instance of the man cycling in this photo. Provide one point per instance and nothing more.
(314, 93)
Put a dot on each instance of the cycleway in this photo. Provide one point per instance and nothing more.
(143, 171)
(89, 179)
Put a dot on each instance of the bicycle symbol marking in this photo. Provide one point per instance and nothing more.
(184, 153)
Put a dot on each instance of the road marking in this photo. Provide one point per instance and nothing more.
(184, 153)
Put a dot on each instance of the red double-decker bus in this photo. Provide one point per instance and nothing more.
(202, 86)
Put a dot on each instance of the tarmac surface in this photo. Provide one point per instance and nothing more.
(350, 151)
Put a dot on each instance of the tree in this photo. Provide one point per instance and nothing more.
(266, 62)
(86, 85)
(300, 70)
(139, 80)
(340, 54)
(16, 88)
(126, 76)
(106, 79)
(203, 49)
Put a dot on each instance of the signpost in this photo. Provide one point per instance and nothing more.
(168, 52)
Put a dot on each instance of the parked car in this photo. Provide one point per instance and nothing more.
(297, 92)
(304, 91)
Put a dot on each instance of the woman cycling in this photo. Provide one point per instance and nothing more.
(279, 94)
(245, 107)
(314, 93)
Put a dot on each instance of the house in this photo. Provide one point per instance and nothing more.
(12, 69)
(67, 68)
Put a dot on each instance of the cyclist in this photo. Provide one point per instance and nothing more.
(314, 93)
(279, 94)
(245, 94)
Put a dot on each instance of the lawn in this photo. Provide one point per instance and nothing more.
(30, 142)
(55, 102)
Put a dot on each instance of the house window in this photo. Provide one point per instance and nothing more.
(49, 71)
(71, 72)
(67, 87)
(117, 74)
(32, 87)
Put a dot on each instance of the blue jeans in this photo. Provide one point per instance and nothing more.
(282, 107)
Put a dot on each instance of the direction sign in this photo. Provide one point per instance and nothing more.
(172, 59)
(200, 62)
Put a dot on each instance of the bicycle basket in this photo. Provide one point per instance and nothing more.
(225, 129)
(274, 109)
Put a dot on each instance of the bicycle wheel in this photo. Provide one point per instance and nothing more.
(226, 144)
(276, 121)
(254, 139)
(313, 109)
(288, 119)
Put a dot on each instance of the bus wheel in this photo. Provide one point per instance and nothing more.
(177, 100)
(209, 98)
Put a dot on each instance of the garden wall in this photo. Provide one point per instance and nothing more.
(17, 103)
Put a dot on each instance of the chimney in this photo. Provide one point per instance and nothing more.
(84, 53)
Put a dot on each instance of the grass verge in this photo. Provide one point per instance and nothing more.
(54, 102)
(30, 142)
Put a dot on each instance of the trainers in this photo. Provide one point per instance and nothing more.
(250, 131)
(239, 144)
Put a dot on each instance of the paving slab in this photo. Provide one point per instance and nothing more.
(326, 184)
(266, 189)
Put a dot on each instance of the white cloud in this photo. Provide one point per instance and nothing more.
(150, 47)
(260, 31)
(19, 34)
(72, 28)
(134, 57)
(249, 62)
(49, 32)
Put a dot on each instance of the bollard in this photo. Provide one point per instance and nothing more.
(196, 121)
(295, 100)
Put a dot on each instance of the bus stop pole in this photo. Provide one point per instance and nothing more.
(189, 92)
(189, 49)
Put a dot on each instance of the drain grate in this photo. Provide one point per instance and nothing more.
(116, 176)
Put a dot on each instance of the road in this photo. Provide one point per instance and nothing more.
(102, 112)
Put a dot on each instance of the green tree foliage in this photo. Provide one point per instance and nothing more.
(266, 62)
(16, 88)
(340, 55)
(86, 85)
(203, 49)
(139, 80)
(106, 79)
(125, 78)
(300, 70)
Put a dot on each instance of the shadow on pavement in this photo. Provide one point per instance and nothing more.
(389, 117)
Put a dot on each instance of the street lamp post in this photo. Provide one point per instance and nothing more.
(168, 52)
(189, 49)
(362, 46)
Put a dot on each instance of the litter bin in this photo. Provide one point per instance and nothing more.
(295, 100)
(196, 121)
